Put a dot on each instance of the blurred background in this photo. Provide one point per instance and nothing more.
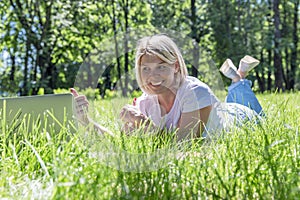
(43, 44)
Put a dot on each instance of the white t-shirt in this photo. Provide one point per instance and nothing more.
(193, 95)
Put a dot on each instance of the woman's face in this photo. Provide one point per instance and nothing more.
(157, 76)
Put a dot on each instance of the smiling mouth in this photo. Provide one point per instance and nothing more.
(155, 84)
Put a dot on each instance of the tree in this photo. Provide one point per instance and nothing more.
(54, 33)
(294, 53)
(8, 43)
(277, 48)
(37, 25)
(44, 43)
(124, 16)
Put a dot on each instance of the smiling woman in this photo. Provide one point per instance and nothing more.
(175, 101)
(157, 76)
(161, 52)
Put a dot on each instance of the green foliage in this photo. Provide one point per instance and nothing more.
(46, 42)
(41, 91)
(9, 86)
(109, 94)
(136, 93)
(90, 93)
(61, 91)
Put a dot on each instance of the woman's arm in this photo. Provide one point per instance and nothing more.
(81, 109)
(191, 124)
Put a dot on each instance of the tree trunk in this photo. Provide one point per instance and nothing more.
(261, 77)
(13, 67)
(295, 47)
(47, 51)
(24, 90)
(287, 74)
(126, 64)
(269, 48)
(269, 84)
(114, 23)
(285, 68)
(277, 50)
(196, 39)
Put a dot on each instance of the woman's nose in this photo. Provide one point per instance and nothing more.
(154, 72)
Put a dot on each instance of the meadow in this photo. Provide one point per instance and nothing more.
(256, 161)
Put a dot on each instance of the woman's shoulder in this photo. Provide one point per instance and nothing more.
(194, 94)
(192, 84)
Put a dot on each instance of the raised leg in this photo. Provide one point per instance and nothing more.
(241, 92)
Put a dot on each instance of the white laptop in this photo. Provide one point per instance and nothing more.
(52, 111)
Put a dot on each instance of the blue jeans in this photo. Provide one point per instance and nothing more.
(240, 92)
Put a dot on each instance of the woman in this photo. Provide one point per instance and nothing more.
(171, 99)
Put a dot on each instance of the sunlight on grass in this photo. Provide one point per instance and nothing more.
(257, 161)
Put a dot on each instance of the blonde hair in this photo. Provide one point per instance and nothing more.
(163, 47)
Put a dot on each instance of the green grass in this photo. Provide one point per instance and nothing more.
(254, 162)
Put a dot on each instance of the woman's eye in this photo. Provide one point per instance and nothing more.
(146, 69)
(162, 67)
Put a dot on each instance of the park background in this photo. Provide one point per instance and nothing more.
(43, 46)
(44, 43)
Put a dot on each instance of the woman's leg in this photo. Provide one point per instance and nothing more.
(241, 92)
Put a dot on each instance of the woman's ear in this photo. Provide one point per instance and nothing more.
(177, 67)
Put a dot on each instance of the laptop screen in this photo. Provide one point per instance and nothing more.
(52, 111)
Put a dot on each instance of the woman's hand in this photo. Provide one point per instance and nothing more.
(131, 117)
(81, 107)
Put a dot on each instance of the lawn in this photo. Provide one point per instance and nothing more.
(256, 161)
